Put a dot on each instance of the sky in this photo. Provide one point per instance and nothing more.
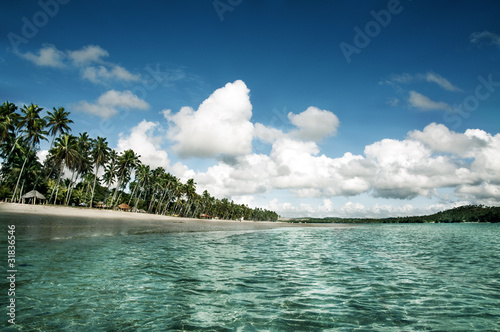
(307, 108)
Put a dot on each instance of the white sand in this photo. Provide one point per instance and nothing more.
(63, 221)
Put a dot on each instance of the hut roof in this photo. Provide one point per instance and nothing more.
(35, 194)
(124, 206)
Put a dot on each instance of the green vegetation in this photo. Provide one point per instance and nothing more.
(151, 190)
(468, 213)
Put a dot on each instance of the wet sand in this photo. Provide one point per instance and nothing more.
(59, 222)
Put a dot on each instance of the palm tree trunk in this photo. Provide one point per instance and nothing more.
(93, 186)
(58, 182)
(152, 202)
(69, 188)
(21, 191)
(133, 193)
(20, 174)
(137, 200)
(116, 192)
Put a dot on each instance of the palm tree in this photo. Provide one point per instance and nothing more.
(100, 153)
(32, 127)
(126, 163)
(173, 187)
(8, 120)
(65, 152)
(57, 122)
(8, 124)
(82, 165)
(110, 170)
(144, 178)
(190, 192)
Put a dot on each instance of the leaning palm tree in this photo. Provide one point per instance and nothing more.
(32, 127)
(100, 154)
(65, 152)
(58, 123)
(126, 163)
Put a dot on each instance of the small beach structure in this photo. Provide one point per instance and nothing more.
(33, 195)
(101, 205)
(124, 207)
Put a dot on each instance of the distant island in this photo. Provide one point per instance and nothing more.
(468, 213)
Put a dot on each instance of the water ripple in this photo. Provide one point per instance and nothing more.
(377, 278)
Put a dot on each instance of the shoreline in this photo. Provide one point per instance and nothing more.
(85, 212)
(35, 222)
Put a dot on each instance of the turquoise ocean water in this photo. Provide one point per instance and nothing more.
(416, 277)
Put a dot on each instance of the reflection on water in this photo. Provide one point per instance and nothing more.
(377, 277)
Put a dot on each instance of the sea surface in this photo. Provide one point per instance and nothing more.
(412, 277)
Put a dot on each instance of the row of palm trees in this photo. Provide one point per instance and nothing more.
(82, 170)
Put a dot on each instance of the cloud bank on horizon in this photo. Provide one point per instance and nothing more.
(422, 164)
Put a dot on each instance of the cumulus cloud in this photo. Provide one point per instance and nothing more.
(419, 166)
(424, 103)
(314, 124)
(442, 140)
(143, 141)
(434, 162)
(267, 134)
(407, 169)
(220, 126)
(110, 102)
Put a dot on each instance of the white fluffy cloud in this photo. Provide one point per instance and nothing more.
(143, 141)
(220, 126)
(441, 140)
(432, 163)
(419, 166)
(314, 124)
(110, 102)
(424, 103)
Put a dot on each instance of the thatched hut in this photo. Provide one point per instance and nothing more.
(101, 205)
(33, 195)
(124, 207)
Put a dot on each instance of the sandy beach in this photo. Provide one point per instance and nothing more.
(54, 222)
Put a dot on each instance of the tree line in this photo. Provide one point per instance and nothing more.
(84, 158)
(467, 213)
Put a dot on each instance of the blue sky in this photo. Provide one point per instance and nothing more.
(375, 108)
